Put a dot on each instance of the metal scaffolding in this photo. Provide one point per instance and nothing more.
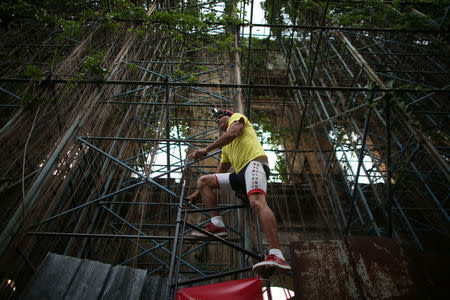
(95, 165)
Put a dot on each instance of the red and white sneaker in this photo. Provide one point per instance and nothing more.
(217, 231)
(271, 264)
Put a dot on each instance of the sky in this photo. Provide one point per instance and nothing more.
(258, 18)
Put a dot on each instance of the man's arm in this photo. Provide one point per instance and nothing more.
(233, 131)
(223, 167)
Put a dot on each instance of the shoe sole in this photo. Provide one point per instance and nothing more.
(201, 235)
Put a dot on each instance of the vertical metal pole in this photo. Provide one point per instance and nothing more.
(249, 100)
(178, 250)
(240, 225)
(249, 62)
(389, 165)
(316, 54)
(258, 235)
(360, 162)
(173, 278)
(261, 252)
(166, 101)
(247, 232)
(269, 292)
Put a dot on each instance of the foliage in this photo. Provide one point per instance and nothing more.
(93, 64)
(273, 14)
(28, 99)
(34, 72)
(371, 13)
(190, 26)
(180, 128)
(70, 29)
(378, 14)
(259, 59)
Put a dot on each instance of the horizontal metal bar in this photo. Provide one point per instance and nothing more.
(422, 209)
(111, 236)
(173, 140)
(229, 85)
(215, 208)
(341, 28)
(146, 225)
(140, 203)
(10, 105)
(102, 235)
(220, 207)
(156, 104)
(188, 164)
(180, 62)
(226, 242)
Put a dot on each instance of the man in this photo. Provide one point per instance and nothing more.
(242, 150)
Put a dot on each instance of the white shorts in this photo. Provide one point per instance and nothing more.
(251, 179)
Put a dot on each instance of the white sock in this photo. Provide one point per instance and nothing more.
(277, 253)
(218, 221)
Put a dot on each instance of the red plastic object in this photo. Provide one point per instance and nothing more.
(242, 289)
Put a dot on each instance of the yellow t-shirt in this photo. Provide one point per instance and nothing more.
(244, 148)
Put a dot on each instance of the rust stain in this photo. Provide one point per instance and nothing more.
(323, 271)
(382, 267)
(368, 267)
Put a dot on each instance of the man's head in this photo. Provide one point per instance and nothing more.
(222, 116)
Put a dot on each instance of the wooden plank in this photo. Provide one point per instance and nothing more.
(124, 283)
(88, 281)
(54, 269)
(360, 59)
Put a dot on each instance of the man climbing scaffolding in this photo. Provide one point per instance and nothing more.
(242, 150)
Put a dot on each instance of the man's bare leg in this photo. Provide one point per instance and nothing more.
(206, 185)
(266, 217)
(275, 262)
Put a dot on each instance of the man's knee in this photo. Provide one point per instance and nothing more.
(207, 181)
(257, 201)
